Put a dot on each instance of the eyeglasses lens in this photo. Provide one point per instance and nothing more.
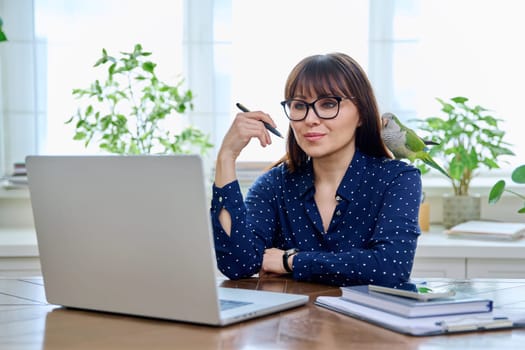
(325, 108)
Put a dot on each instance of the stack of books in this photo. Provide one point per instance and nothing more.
(18, 179)
(418, 312)
(416, 306)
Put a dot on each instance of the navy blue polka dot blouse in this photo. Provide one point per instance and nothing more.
(371, 239)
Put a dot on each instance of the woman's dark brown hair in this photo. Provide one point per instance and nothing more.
(335, 74)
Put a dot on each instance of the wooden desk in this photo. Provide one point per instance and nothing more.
(28, 322)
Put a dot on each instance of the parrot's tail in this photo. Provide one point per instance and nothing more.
(430, 162)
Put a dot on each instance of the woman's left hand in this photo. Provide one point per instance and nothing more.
(273, 262)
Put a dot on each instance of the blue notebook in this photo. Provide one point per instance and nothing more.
(424, 326)
(407, 307)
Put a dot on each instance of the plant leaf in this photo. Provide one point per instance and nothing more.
(149, 67)
(518, 175)
(496, 191)
(79, 136)
(459, 99)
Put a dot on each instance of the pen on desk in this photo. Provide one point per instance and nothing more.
(266, 125)
(475, 323)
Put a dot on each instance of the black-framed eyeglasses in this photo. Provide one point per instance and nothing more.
(326, 107)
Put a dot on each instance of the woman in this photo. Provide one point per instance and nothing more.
(337, 209)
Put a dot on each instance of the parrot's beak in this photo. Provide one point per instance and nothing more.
(384, 122)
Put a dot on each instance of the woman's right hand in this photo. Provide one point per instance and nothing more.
(245, 126)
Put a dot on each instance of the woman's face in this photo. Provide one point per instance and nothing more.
(327, 138)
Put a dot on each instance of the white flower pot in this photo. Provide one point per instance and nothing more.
(458, 209)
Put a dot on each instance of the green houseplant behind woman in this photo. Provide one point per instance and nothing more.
(3, 37)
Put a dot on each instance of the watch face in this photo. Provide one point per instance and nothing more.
(291, 251)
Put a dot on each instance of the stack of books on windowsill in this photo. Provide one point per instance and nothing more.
(416, 315)
(492, 230)
(18, 179)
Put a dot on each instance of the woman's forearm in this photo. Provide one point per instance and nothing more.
(225, 173)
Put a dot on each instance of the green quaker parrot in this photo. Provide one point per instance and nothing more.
(403, 142)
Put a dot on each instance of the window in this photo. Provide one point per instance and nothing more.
(52, 47)
(452, 48)
(73, 34)
(412, 50)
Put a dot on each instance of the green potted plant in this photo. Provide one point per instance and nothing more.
(134, 112)
(497, 190)
(3, 37)
(468, 139)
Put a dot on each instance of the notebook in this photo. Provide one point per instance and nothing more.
(492, 230)
(423, 326)
(408, 307)
(132, 235)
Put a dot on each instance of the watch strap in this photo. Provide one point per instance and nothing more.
(288, 253)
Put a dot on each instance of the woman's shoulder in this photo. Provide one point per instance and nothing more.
(385, 165)
(272, 175)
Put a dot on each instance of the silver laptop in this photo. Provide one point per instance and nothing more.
(132, 235)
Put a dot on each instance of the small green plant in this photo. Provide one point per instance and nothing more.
(3, 37)
(468, 138)
(517, 176)
(129, 112)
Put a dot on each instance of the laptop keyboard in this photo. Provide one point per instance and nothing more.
(231, 304)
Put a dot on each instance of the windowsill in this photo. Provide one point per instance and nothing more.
(15, 207)
(438, 185)
(18, 242)
(436, 244)
(8, 190)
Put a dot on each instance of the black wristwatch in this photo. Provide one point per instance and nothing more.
(288, 253)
